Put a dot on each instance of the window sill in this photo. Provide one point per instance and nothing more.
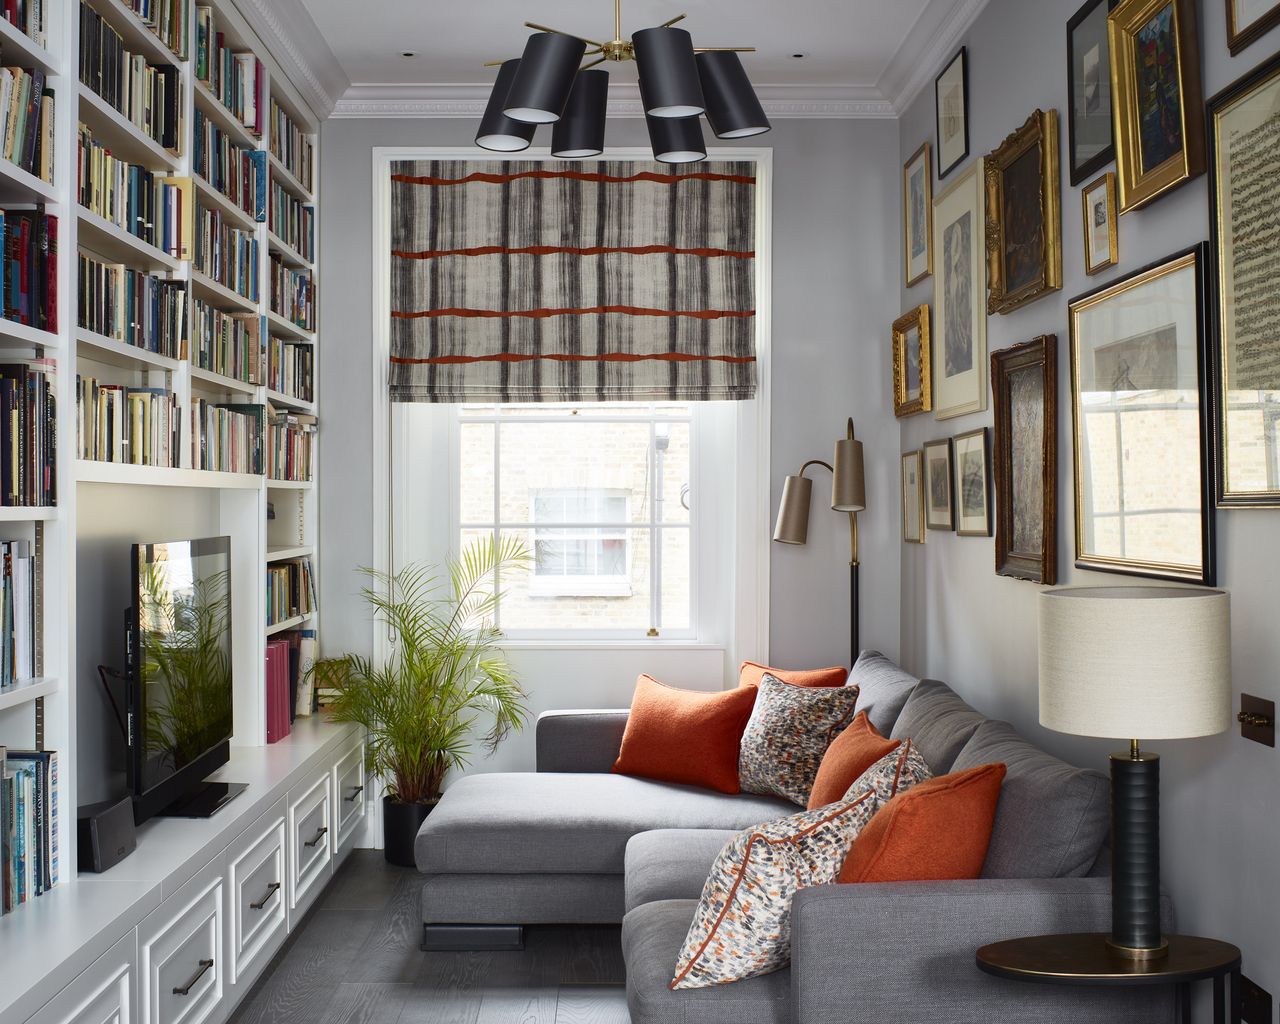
(657, 643)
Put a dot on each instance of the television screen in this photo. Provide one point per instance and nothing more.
(180, 662)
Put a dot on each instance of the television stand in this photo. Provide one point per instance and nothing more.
(205, 801)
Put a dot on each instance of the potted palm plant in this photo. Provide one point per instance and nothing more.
(446, 675)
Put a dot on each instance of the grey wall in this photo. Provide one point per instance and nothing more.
(834, 271)
(962, 623)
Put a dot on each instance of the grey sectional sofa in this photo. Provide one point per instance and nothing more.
(574, 844)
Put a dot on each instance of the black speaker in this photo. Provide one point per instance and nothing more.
(105, 834)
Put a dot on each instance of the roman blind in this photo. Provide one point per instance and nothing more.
(536, 282)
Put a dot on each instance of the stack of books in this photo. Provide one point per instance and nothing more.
(226, 254)
(227, 343)
(291, 692)
(17, 613)
(238, 80)
(29, 282)
(293, 223)
(168, 19)
(138, 426)
(291, 590)
(148, 206)
(291, 146)
(228, 167)
(226, 437)
(291, 368)
(139, 309)
(293, 295)
(28, 433)
(279, 720)
(28, 825)
(290, 445)
(26, 120)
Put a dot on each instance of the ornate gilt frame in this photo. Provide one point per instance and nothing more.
(918, 317)
(1039, 132)
(1109, 181)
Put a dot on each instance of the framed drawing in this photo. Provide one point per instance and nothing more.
(912, 499)
(1140, 412)
(1244, 124)
(938, 504)
(1024, 216)
(1248, 21)
(917, 213)
(971, 463)
(1101, 243)
(912, 380)
(951, 113)
(1155, 97)
(1089, 137)
(1024, 386)
(959, 312)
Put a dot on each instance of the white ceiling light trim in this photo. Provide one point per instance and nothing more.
(933, 39)
(289, 33)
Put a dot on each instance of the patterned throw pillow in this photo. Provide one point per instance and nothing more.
(788, 733)
(742, 927)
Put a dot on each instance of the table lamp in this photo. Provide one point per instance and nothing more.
(1129, 662)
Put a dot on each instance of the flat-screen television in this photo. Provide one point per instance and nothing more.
(180, 692)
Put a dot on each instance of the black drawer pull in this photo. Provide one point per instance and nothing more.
(271, 891)
(204, 966)
(317, 837)
(354, 793)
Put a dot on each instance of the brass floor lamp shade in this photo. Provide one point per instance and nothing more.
(848, 494)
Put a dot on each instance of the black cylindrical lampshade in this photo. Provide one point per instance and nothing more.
(676, 140)
(733, 110)
(668, 71)
(580, 131)
(498, 132)
(542, 83)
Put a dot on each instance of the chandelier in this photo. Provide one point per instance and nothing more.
(679, 82)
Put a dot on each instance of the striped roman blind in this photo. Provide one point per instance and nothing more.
(594, 282)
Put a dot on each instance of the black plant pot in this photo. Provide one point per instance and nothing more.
(400, 824)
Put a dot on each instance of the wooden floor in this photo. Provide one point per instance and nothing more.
(355, 960)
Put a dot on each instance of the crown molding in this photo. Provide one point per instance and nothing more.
(933, 39)
(288, 31)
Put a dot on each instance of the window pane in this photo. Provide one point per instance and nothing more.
(674, 466)
(677, 573)
(476, 476)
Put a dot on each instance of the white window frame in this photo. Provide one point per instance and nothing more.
(596, 584)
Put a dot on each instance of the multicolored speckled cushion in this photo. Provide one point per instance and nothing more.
(788, 733)
(742, 927)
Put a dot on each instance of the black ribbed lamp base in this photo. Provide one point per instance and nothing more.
(1135, 856)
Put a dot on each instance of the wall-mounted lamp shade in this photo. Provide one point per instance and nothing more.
(1147, 663)
(848, 485)
(733, 109)
(580, 131)
(676, 140)
(668, 71)
(498, 132)
(545, 77)
(793, 513)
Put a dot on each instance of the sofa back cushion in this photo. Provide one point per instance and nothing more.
(1052, 818)
(882, 689)
(937, 722)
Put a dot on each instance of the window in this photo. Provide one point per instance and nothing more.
(582, 560)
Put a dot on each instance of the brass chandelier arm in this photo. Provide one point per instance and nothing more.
(598, 60)
(672, 21)
(544, 28)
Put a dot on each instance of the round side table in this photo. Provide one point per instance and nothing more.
(1086, 959)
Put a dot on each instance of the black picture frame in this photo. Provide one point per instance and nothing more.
(963, 57)
(1084, 169)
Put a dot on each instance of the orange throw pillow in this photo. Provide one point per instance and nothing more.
(687, 736)
(850, 754)
(752, 672)
(937, 831)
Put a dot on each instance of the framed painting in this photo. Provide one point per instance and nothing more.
(917, 213)
(1089, 139)
(1024, 386)
(912, 379)
(1101, 241)
(959, 287)
(1244, 125)
(971, 466)
(939, 507)
(1155, 97)
(951, 113)
(1140, 414)
(1024, 216)
(1248, 21)
(912, 498)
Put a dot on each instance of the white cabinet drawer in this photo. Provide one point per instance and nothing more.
(180, 954)
(310, 822)
(256, 894)
(348, 796)
(103, 993)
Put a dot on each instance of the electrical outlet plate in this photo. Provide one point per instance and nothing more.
(1265, 734)
(1255, 1003)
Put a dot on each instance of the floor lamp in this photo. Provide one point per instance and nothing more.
(848, 494)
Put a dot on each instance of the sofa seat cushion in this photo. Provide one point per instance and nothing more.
(882, 689)
(938, 723)
(671, 863)
(532, 823)
(651, 938)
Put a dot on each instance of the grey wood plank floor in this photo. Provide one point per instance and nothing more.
(355, 960)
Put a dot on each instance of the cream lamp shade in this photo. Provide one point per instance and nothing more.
(1145, 663)
(848, 485)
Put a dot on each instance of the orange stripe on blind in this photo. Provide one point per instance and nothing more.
(590, 250)
(499, 179)
(570, 357)
(542, 314)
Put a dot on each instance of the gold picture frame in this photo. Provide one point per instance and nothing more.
(1157, 103)
(1024, 215)
(913, 497)
(1101, 240)
(917, 217)
(912, 374)
(1240, 33)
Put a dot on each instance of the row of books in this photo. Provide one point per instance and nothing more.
(227, 343)
(26, 120)
(28, 433)
(238, 80)
(28, 17)
(291, 590)
(139, 309)
(29, 282)
(290, 681)
(148, 96)
(226, 165)
(290, 445)
(168, 19)
(291, 146)
(225, 253)
(291, 368)
(293, 223)
(137, 426)
(226, 437)
(28, 825)
(148, 206)
(17, 613)
(293, 295)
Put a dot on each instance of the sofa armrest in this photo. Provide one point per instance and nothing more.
(579, 741)
(904, 952)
